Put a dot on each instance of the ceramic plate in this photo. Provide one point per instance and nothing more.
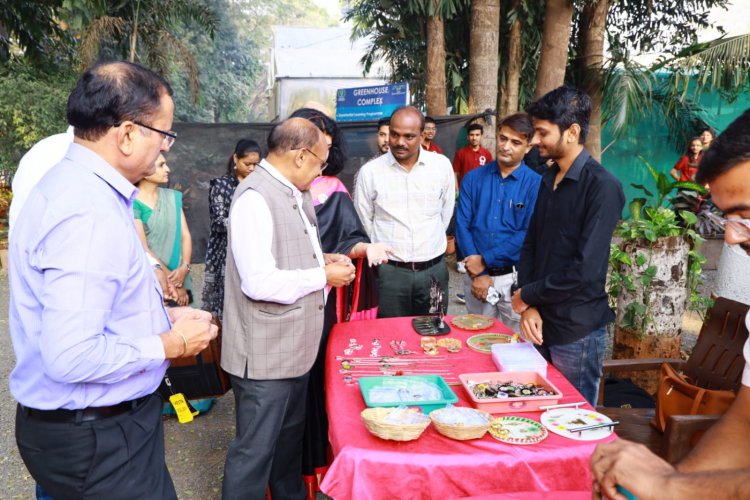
(561, 420)
(472, 321)
(517, 430)
(483, 342)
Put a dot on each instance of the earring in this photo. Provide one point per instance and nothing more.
(235, 166)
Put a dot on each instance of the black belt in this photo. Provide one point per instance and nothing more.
(63, 416)
(416, 266)
(499, 271)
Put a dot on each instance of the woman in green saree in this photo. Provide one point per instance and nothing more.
(163, 229)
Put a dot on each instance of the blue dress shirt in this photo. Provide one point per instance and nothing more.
(85, 309)
(494, 212)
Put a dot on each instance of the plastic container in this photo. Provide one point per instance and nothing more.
(520, 357)
(448, 396)
(510, 405)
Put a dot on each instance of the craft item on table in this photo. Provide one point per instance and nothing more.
(519, 357)
(417, 391)
(507, 389)
(353, 346)
(375, 351)
(577, 423)
(399, 347)
(472, 321)
(450, 344)
(483, 342)
(461, 423)
(429, 345)
(517, 430)
(507, 392)
(375, 422)
(430, 325)
(403, 415)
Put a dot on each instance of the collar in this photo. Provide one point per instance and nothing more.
(392, 161)
(85, 157)
(513, 175)
(273, 171)
(573, 173)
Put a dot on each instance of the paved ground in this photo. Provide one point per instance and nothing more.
(195, 451)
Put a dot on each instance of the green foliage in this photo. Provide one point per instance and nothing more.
(664, 187)
(31, 31)
(32, 107)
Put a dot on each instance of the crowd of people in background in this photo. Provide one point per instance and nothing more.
(291, 253)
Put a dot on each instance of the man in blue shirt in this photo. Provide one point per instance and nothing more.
(494, 210)
(89, 329)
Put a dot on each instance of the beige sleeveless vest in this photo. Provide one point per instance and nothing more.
(267, 340)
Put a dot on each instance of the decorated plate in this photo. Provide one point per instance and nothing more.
(517, 430)
(483, 342)
(562, 420)
(473, 321)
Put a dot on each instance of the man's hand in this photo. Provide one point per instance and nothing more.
(474, 265)
(378, 253)
(189, 335)
(175, 313)
(182, 297)
(330, 258)
(519, 306)
(168, 291)
(479, 287)
(531, 326)
(630, 465)
(339, 273)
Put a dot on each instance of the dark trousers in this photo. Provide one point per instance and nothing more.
(404, 292)
(120, 457)
(267, 448)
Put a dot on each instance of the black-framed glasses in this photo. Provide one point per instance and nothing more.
(323, 164)
(169, 137)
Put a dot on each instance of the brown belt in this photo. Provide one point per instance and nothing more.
(416, 266)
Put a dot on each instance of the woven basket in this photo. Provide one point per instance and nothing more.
(373, 418)
(461, 432)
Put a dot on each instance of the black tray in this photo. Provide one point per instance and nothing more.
(429, 326)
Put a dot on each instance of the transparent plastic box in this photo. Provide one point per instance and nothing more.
(520, 357)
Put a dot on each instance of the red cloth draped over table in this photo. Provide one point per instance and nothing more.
(434, 466)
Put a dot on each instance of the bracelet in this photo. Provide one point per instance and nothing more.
(184, 340)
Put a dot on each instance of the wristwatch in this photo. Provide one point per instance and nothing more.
(156, 266)
(187, 266)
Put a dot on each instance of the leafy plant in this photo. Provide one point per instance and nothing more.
(700, 205)
(664, 187)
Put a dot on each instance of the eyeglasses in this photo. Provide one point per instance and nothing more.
(169, 137)
(430, 129)
(323, 164)
(739, 226)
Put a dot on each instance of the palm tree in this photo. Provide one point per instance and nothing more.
(139, 31)
(553, 58)
(483, 62)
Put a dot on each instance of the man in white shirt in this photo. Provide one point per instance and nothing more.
(719, 466)
(275, 292)
(405, 199)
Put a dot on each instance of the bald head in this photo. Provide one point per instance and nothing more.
(411, 111)
(294, 133)
(298, 150)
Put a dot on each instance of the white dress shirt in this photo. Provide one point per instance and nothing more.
(260, 279)
(407, 209)
(37, 161)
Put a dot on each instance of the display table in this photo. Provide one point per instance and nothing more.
(434, 466)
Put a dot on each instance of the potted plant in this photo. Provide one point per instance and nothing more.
(656, 272)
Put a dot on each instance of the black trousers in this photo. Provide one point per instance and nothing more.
(267, 448)
(120, 457)
(404, 292)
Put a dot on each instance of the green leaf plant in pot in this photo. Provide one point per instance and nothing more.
(655, 275)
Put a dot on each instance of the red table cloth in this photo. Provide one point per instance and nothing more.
(435, 466)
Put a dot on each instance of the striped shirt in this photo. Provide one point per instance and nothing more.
(408, 210)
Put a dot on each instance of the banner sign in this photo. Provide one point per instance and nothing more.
(370, 103)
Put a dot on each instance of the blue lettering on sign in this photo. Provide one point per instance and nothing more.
(370, 103)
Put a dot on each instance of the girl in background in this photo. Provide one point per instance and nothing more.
(687, 166)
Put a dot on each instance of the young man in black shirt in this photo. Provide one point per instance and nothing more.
(563, 264)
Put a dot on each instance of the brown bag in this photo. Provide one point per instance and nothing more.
(199, 376)
(677, 396)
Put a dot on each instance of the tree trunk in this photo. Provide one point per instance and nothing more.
(553, 58)
(483, 62)
(591, 48)
(509, 104)
(435, 89)
(664, 301)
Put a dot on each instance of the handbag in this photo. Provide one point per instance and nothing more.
(199, 376)
(676, 395)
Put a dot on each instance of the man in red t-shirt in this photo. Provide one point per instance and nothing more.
(472, 155)
(428, 135)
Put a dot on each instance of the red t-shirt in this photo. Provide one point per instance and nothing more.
(686, 168)
(467, 159)
(434, 148)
